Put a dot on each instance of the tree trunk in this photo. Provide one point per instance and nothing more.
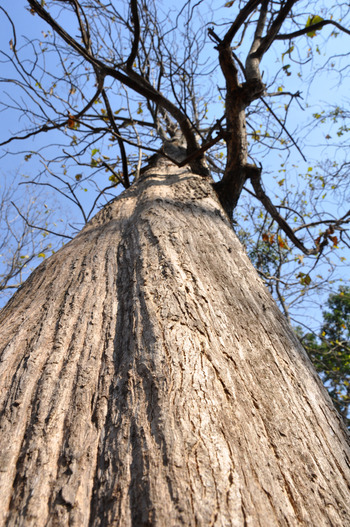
(148, 379)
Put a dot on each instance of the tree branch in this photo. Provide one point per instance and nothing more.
(39, 228)
(135, 44)
(251, 69)
(55, 126)
(313, 27)
(275, 27)
(126, 182)
(255, 178)
(284, 128)
(241, 18)
(133, 80)
(83, 30)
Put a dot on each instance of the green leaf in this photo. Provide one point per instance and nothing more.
(41, 255)
(94, 151)
(288, 52)
(311, 21)
(304, 279)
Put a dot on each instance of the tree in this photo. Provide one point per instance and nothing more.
(330, 351)
(147, 376)
(22, 241)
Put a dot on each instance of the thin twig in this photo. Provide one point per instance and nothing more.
(284, 128)
(40, 228)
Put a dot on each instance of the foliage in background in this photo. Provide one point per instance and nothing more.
(25, 234)
(330, 350)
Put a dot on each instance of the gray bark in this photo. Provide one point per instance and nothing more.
(148, 379)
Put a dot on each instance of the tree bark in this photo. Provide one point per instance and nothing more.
(148, 379)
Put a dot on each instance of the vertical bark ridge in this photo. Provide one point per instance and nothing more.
(149, 379)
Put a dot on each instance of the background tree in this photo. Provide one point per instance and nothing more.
(330, 351)
(25, 236)
(147, 376)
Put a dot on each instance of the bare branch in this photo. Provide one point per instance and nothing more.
(284, 128)
(255, 179)
(242, 16)
(312, 27)
(135, 44)
(275, 27)
(126, 181)
(40, 228)
(133, 80)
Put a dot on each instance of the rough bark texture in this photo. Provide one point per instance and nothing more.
(148, 379)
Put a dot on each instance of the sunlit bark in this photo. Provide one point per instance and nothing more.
(147, 378)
